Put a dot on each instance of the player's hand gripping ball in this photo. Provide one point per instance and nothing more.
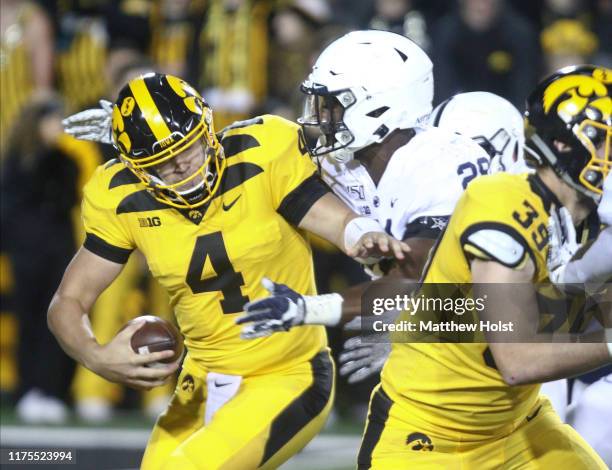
(156, 334)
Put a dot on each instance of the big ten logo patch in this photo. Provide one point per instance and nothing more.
(149, 221)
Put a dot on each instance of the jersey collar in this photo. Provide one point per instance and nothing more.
(546, 195)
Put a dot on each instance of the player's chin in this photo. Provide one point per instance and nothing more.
(191, 185)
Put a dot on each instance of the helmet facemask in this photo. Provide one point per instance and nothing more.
(596, 137)
(183, 193)
(322, 118)
(505, 151)
(587, 140)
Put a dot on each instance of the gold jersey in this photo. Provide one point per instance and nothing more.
(455, 390)
(211, 260)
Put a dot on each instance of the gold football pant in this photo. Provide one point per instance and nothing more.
(269, 419)
(541, 442)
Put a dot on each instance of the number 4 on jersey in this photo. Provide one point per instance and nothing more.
(227, 280)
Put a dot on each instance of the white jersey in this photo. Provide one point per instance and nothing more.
(420, 185)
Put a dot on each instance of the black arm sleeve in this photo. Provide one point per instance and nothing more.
(104, 249)
(298, 202)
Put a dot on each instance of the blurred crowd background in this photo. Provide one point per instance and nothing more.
(247, 57)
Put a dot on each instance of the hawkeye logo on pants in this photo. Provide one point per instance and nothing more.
(188, 384)
(419, 441)
(149, 221)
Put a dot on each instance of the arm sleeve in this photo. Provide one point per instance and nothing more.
(105, 235)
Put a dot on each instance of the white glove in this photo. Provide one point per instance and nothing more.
(562, 244)
(604, 210)
(359, 360)
(92, 124)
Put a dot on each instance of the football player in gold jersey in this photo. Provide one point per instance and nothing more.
(476, 405)
(211, 215)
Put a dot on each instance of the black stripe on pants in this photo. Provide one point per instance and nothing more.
(304, 408)
(379, 413)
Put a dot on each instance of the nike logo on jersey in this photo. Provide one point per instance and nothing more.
(231, 204)
(218, 384)
(535, 413)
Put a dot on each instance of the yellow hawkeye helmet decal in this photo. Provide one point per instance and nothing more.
(156, 118)
(573, 107)
(575, 92)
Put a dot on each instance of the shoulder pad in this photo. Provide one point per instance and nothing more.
(495, 243)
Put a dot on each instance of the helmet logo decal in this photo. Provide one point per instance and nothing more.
(192, 105)
(182, 89)
(118, 124)
(177, 85)
(579, 92)
(127, 106)
(123, 140)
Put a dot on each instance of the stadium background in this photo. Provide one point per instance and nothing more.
(247, 57)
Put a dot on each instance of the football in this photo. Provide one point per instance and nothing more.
(156, 335)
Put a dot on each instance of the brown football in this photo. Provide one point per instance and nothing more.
(156, 335)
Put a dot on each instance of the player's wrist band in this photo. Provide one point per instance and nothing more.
(357, 227)
(323, 309)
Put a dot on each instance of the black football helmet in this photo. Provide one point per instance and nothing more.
(573, 108)
(155, 118)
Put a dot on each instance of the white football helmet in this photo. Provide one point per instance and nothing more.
(491, 121)
(362, 87)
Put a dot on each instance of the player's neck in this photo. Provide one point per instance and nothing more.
(376, 157)
(577, 205)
